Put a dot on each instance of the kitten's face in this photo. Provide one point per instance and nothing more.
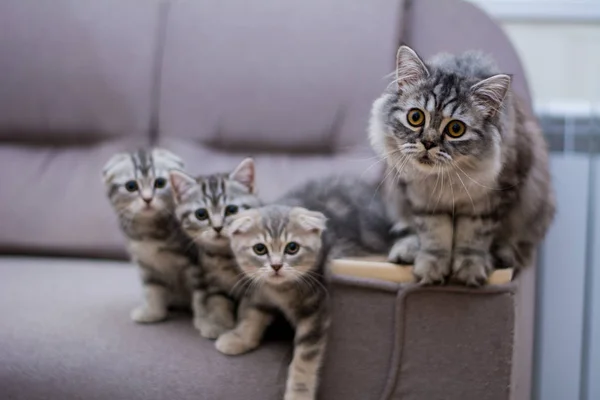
(205, 204)
(437, 120)
(137, 183)
(276, 244)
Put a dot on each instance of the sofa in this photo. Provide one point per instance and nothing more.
(289, 83)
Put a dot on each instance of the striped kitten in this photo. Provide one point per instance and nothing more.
(282, 254)
(203, 206)
(138, 189)
(468, 180)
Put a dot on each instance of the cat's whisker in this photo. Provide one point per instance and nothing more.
(466, 190)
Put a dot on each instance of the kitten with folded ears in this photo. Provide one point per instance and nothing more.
(284, 259)
(138, 189)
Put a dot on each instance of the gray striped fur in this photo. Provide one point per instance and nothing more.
(294, 285)
(214, 296)
(357, 224)
(462, 205)
(163, 253)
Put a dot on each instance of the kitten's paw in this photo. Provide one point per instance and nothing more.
(145, 315)
(209, 329)
(405, 250)
(430, 269)
(231, 343)
(471, 270)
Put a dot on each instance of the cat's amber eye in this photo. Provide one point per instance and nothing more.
(415, 117)
(230, 210)
(260, 249)
(160, 183)
(292, 248)
(131, 186)
(455, 128)
(201, 214)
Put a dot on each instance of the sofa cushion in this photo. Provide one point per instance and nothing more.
(75, 70)
(53, 200)
(66, 334)
(295, 76)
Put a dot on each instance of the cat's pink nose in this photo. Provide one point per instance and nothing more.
(276, 267)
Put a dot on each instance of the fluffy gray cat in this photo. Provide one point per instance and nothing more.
(203, 206)
(357, 224)
(468, 180)
(138, 188)
(281, 253)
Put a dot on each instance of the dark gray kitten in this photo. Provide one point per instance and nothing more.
(139, 191)
(203, 206)
(468, 180)
(284, 260)
(357, 224)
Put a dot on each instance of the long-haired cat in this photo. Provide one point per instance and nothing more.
(468, 182)
(282, 254)
(204, 205)
(138, 188)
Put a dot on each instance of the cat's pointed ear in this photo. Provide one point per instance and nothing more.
(409, 68)
(113, 165)
(181, 185)
(244, 174)
(241, 223)
(489, 93)
(172, 159)
(312, 221)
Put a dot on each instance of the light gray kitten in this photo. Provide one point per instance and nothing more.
(282, 254)
(203, 206)
(357, 224)
(138, 188)
(468, 180)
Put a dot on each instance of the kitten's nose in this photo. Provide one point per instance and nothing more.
(218, 229)
(147, 200)
(276, 267)
(427, 144)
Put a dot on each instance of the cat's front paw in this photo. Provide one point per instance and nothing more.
(405, 250)
(146, 315)
(232, 343)
(430, 269)
(209, 329)
(470, 269)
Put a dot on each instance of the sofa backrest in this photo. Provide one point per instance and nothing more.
(290, 83)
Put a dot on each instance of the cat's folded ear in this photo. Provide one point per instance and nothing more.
(182, 185)
(241, 223)
(113, 165)
(244, 174)
(173, 160)
(489, 94)
(312, 221)
(409, 68)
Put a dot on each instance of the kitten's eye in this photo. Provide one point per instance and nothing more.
(231, 209)
(415, 117)
(455, 128)
(131, 186)
(260, 249)
(160, 183)
(201, 214)
(292, 248)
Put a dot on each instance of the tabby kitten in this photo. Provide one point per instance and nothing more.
(138, 189)
(203, 207)
(357, 224)
(468, 180)
(284, 259)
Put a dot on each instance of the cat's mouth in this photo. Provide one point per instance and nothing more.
(425, 160)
